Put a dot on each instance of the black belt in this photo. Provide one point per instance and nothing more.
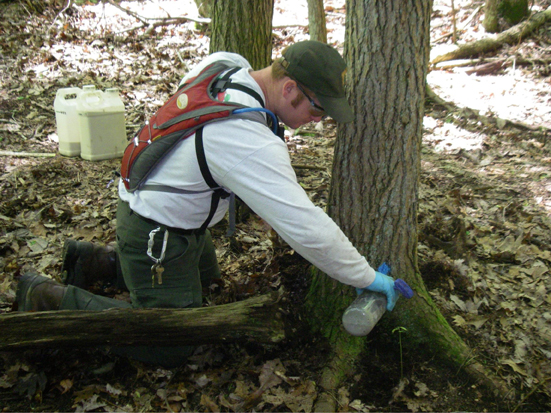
(179, 231)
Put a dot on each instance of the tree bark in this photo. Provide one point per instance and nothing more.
(514, 11)
(376, 167)
(512, 36)
(491, 18)
(317, 21)
(257, 319)
(243, 27)
(375, 180)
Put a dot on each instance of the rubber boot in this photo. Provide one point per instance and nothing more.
(38, 293)
(86, 265)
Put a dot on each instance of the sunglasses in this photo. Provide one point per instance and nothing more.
(317, 109)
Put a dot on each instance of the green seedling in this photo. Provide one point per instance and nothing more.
(400, 330)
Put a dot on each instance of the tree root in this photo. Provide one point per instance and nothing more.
(337, 370)
(340, 365)
(325, 402)
(429, 330)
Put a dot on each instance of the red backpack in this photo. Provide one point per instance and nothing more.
(185, 113)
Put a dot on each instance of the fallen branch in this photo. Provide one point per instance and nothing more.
(152, 22)
(463, 26)
(257, 319)
(540, 384)
(450, 64)
(512, 36)
(69, 4)
(487, 68)
(27, 154)
(162, 22)
(289, 26)
(129, 12)
(486, 120)
(316, 168)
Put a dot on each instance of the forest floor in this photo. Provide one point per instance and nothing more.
(484, 221)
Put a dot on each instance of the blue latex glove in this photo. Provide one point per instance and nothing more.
(385, 285)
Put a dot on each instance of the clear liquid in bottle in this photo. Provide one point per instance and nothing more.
(364, 312)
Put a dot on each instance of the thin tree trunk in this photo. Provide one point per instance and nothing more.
(243, 27)
(491, 19)
(257, 319)
(317, 21)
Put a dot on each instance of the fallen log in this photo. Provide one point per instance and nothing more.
(28, 154)
(256, 319)
(491, 43)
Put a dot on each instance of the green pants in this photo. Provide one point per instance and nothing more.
(189, 263)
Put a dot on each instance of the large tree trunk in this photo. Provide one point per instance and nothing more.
(316, 21)
(243, 27)
(375, 179)
(257, 319)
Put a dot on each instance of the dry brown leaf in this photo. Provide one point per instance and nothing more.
(268, 374)
(65, 385)
(514, 366)
(209, 403)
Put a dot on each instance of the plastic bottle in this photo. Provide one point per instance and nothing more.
(65, 106)
(368, 308)
(102, 124)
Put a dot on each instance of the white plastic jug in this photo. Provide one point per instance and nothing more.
(68, 132)
(102, 125)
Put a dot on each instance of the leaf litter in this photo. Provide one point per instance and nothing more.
(484, 225)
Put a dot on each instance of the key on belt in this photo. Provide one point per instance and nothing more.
(157, 268)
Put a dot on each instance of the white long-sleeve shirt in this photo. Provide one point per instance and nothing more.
(246, 158)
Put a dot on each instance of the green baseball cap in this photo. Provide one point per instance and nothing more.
(321, 69)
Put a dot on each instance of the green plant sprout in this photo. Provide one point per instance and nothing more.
(400, 330)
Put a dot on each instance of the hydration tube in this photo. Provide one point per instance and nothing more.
(274, 118)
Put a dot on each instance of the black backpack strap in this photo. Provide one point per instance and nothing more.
(224, 81)
(218, 193)
(248, 91)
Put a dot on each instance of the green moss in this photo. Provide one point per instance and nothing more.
(513, 11)
(325, 303)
